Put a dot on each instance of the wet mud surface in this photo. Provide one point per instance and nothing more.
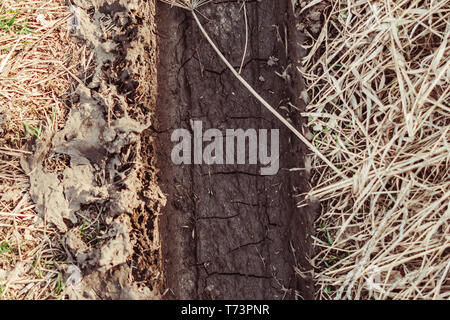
(227, 232)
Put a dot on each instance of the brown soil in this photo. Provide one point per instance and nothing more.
(190, 232)
(108, 178)
(227, 232)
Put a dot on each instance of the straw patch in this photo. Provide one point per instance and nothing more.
(187, 4)
(378, 75)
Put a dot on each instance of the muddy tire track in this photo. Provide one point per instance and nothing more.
(228, 232)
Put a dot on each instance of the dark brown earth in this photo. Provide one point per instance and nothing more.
(108, 178)
(228, 232)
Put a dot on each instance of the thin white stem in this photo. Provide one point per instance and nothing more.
(264, 102)
(246, 37)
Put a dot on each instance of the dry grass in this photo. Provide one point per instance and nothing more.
(187, 4)
(36, 56)
(378, 84)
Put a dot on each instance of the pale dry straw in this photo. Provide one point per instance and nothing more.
(35, 56)
(187, 4)
(378, 78)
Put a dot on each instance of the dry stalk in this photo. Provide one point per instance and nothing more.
(378, 78)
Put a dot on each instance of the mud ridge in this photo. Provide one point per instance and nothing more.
(226, 231)
(108, 179)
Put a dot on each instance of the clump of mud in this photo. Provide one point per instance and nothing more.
(104, 199)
